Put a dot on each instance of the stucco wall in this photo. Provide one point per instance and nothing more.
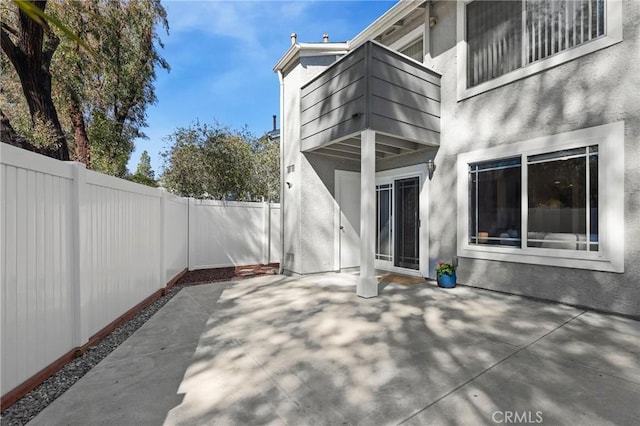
(317, 211)
(599, 88)
(308, 205)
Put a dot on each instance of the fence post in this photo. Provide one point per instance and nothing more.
(163, 237)
(190, 231)
(80, 256)
(265, 232)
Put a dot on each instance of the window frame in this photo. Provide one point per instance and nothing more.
(613, 35)
(408, 39)
(414, 42)
(610, 141)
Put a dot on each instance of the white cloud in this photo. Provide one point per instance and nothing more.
(244, 21)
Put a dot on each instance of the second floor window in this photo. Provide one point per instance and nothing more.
(506, 35)
(414, 50)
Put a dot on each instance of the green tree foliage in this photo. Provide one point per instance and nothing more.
(266, 169)
(106, 94)
(207, 162)
(110, 158)
(144, 173)
(216, 162)
(102, 80)
(144, 166)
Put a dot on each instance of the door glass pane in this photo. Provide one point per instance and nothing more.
(495, 203)
(407, 223)
(383, 220)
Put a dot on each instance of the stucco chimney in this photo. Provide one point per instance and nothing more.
(294, 36)
(325, 38)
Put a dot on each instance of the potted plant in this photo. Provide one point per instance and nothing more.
(446, 273)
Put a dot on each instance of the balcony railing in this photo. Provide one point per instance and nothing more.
(374, 88)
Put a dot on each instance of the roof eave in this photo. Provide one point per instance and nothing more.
(309, 49)
(390, 17)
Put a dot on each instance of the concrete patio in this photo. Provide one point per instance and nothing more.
(277, 350)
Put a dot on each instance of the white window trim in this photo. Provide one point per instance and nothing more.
(613, 35)
(610, 141)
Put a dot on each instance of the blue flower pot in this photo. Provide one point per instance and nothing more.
(447, 281)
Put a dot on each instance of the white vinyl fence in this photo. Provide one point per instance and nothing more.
(79, 249)
(224, 234)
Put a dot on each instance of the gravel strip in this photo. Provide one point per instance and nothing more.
(35, 401)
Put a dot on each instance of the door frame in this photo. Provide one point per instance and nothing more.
(390, 176)
(382, 177)
(337, 246)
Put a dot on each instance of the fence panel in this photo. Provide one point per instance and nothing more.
(176, 226)
(124, 237)
(79, 249)
(37, 275)
(275, 246)
(223, 234)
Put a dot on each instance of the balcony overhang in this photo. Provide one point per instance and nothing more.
(371, 88)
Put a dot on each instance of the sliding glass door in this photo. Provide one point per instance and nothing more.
(398, 223)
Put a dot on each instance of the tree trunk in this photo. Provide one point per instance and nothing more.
(83, 153)
(36, 84)
(31, 57)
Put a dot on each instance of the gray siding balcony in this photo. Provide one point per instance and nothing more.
(372, 88)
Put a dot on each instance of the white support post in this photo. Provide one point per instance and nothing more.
(80, 258)
(367, 283)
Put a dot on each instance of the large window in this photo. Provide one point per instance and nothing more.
(502, 38)
(556, 200)
(562, 194)
(500, 41)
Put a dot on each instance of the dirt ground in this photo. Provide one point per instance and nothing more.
(227, 274)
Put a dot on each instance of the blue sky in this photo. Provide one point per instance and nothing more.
(222, 54)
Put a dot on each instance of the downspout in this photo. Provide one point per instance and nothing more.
(282, 121)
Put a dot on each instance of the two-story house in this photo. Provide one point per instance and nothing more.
(502, 134)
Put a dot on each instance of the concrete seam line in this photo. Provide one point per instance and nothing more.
(460, 386)
(259, 364)
(200, 306)
(271, 378)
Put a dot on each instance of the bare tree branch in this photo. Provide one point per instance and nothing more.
(8, 46)
(9, 29)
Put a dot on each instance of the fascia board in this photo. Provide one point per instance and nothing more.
(310, 49)
(390, 17)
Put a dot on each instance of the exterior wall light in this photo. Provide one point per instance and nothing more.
(431, 168)
(433, 21)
